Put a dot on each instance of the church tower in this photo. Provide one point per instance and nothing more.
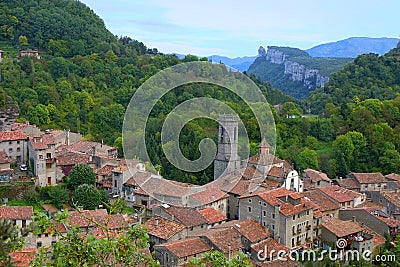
(227, 159)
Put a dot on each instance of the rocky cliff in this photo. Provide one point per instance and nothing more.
(294, 71)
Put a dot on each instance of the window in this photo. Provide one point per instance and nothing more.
(40, 156)
(18, 149)
(249, 200)
(38, 244)
(49, 180)
(18, 142)
(48, 155)
(294, 217)
(115, 183)
(273, 215)
(10, 149)
(48, 165)
(46, 235)
(23, 223)
(264, 213)
(9, 142)
(248, 209)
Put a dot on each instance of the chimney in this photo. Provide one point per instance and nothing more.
(155, 222)
(354, 219)
(67, 137)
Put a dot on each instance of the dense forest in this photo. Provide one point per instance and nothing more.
(87, 76)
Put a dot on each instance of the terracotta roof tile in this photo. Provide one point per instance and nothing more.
(207, 196)
(250, 229)
(392, 196)
(393, 176)
(4, 158)
(272, 197)
(339, 194)
(270, 244)
(391, 222)
(16, 212)
(87, 218)
(105, 170)
(212, 216)
(12, 136)
(24, 257)
(224, 239)
(368, 178)
(322, 201)
(42, 142)
(348, 183)
(187, 216)
(251, 172)
(316, 176)
(341, 228)
(163, 228)
(72, 158)
(275, 171)
(186, 247)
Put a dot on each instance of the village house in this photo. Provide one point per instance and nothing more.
(42, 158)
(21, 216)
(356, 235)
(193, 221)
(369, 181)
(315, 179)
(15, 144)
(5, 167)
(212, 216)
(178, 253)
(209, 198)
(393, 181)
(345, 198)
(389, 199)
(66, 160)
(162, 230)
(324, 204)
(29, 53)
(378, 223)
(287, 214)
(24, 257)
(348, 183)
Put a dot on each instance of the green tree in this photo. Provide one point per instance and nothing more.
(23, 41)
(80, 174)
(307, 158)
(58, 195)
(290, 109)
(89, 197)
(216, 258)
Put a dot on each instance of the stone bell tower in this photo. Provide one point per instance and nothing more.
(227, 159)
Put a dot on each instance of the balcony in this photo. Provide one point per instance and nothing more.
(50, 160)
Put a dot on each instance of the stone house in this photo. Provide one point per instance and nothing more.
(393, 181)
(348, 183)
(324, 204)
(212, 216)
(345, 198)
(15, 144)
(42, 152)
(211, 197)
(287, 214)
(315, 179)
(369, 181)
(161, 230)
(21, 216)
(29, 53)
(389, 199)
(178, 253)
(5, 168)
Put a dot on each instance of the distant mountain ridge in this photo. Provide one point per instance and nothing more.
(239, 63)
(353, 47)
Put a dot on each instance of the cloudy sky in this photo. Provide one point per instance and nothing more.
(237, 28)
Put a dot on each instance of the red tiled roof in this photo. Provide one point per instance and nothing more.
(316, 176)
(43, 143)
(270, 244)
(275, 171)
(163, 228)
(251, 172)
(87, 218)
(322, 201)
(16, 212)
(339, 194)
(368, 178)
(187, 216)
(341, 228)
(12, 136)
(209, 195)
(224, 239)
(24, 257)
(391, 222)
(105, 170)
(72, 158)
(348, 183)
(120, 169)
(212, 216)
(187, 247)
(287, 209)
(392, 196)
(393, 176)
(4, 158)
(250, 229)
